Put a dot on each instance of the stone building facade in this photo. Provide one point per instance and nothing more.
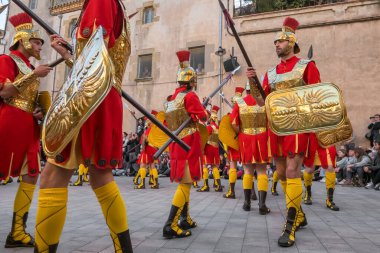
(344, 35)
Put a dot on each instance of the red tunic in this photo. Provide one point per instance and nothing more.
(147, 154)
(253, 148)
(327, 156)
(179, 158)
(291, 145)
(211, 154)
(19, 131)
(233, 155)
(101, 135)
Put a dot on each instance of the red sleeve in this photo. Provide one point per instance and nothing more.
(209, 129)
(194, 107)
(108, 14)
(234, 116)
(311, 74)
(266, 86)
(8, 69)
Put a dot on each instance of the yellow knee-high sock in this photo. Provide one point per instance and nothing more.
(275, 177)
(216, 174)
(307, 178)
(283, 184)
(262, 182)
(51, 215)
(155, 173)
(293, 193)
(142, 175)
(181, 195)
(330, 180)
(247, 181)
(233, 176)
(114, 210)
(205, 173)
(21, 206)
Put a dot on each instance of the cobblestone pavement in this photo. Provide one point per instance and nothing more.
(222, 224)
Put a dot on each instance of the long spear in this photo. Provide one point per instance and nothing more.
(188, 121)
(230, 23)
(3, 7)
(123, 93)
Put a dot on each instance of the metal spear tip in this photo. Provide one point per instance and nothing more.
(310, 53)
(3, 7)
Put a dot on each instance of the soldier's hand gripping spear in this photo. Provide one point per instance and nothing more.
(133, 102)
(188, 121)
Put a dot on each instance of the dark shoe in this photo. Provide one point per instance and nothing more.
(155, 184)
(219, 187)
(125, 242)
(141, 185)
(254, 197)
(263, 209)
(186, 222)
(205, 187)
(79, 182)
(274, 189)
(231, 192)
(247, 201)
(171, 228)
(307, 200)
(329, 201)
(12, 243)
(288, 236)
(195, 185)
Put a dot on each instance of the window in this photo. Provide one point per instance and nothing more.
(72, 26)
(148, 15)
(197, 59)
(246, 7)
(32, 4)
(145, 66)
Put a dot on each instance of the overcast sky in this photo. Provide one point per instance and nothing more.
(3, 15)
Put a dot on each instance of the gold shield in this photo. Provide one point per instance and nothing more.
(335, 136)
(44, 100)
(204, 134)
(227, 134)
(157, 138)
(86, 87)
(310, 108)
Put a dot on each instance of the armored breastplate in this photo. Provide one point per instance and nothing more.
(253, 119)
(25, 100)
(176, 114)
(213, 139)
(290, 79)
(119, 54)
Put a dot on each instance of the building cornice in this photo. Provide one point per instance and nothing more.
(66, 7)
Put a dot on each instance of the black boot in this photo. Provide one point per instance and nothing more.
(274, 189)
(141, 185)
(12, 243)
(307, 199)
(301, 220)
(231, 192)
(254, 196)
(52, 249)
(186, 222)
(171, 228)
(263, 209)
(288, 236)
(125, 242)
(219, 187)
(329, 201)
(205, 187)
(247, 200)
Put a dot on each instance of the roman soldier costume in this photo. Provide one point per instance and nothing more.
(185, 167)
(211, 156)
(84, 124)
(19, 130)
(146, 160)
(290, 73)
(233, 155)
(251, 121)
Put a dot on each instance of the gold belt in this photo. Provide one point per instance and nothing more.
(21, 104)
(254, 131)
(187, 131)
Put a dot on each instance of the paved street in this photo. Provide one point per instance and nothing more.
(222, 224)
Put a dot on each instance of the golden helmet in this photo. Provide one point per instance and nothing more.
(288, 33)
(23, 25)
(185, 74)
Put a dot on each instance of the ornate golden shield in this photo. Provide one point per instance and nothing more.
(86, 87)
(44, 100)
(227, 134)
(334, 136)
(310, 108)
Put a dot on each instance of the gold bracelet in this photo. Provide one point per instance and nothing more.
(69, 62)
